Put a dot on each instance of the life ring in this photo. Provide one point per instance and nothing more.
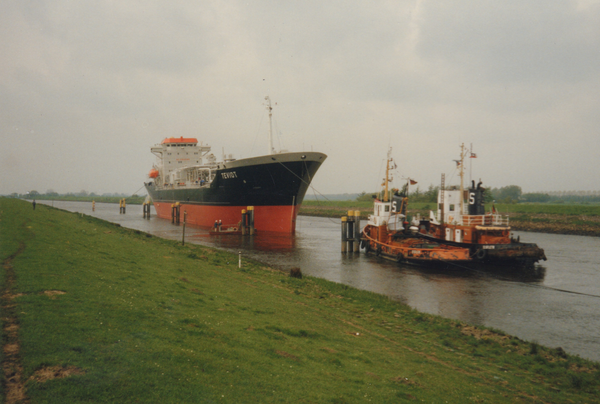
(481, 253)
(399, 257)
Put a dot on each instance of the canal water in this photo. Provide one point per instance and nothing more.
(558, 305)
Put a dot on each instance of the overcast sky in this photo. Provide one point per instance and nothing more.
(87, 87)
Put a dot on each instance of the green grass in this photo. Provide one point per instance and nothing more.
(550, 209)
(148, 320)
(130, 200)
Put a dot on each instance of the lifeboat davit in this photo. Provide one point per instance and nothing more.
(153, 173)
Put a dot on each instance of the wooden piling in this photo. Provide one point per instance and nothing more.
(351, 230)
(243, 226)
(356, 231)
(344, 233)
(251, 220)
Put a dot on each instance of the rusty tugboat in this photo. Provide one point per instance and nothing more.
(459, 234)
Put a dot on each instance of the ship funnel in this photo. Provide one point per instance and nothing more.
(476, 206)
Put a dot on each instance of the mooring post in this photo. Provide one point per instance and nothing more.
(344, 233)
(124, 204)
(356, 231)
(243, 226)
(93, 206)
(240, 259)
(173, 213)
(177, 212)
(350, 236)
(183, 233)
(144, 210)
(251, 219)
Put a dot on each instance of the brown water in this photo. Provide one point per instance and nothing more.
(537, 307)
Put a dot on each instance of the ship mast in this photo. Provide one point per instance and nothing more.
(463, 153)
(270, 109)
(387, 176)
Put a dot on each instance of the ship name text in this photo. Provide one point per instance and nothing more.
(229, 175)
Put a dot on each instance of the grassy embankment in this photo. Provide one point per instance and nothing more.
(132, 200)
(543, 218)
(107, 314)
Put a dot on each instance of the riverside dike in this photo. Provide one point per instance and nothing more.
(93, 312)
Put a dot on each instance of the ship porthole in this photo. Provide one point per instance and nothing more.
(303, 157)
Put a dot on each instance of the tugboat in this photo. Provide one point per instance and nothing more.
(460, 234)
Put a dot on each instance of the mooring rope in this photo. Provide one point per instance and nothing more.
(500, 278)
(309, 184)
(524, 284)
(135, 192)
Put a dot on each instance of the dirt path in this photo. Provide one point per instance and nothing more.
(14, 387)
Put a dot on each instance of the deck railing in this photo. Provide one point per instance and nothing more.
(485, 220)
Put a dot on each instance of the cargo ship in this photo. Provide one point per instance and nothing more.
(460, 233)
(188, 175)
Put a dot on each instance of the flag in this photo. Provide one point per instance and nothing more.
(412, 182)
(473, 156)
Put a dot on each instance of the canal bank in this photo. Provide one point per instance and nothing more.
(528, 306)
(143, 317)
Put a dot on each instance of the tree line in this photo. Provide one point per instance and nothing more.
(508, 194)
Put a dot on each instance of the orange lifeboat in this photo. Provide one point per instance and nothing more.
(153, 173)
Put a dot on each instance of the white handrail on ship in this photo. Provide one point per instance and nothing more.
(485, 220)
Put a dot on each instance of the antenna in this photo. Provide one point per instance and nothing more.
(387, 175)
(270, 109)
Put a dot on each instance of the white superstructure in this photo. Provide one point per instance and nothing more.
(182, 161)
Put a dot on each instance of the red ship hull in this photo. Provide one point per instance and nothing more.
(280, 219)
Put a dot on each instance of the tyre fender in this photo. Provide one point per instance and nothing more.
(481, 253)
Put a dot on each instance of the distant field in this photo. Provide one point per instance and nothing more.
(543, 218)
(555, 209)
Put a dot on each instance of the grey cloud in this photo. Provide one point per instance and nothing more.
(513, 41)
